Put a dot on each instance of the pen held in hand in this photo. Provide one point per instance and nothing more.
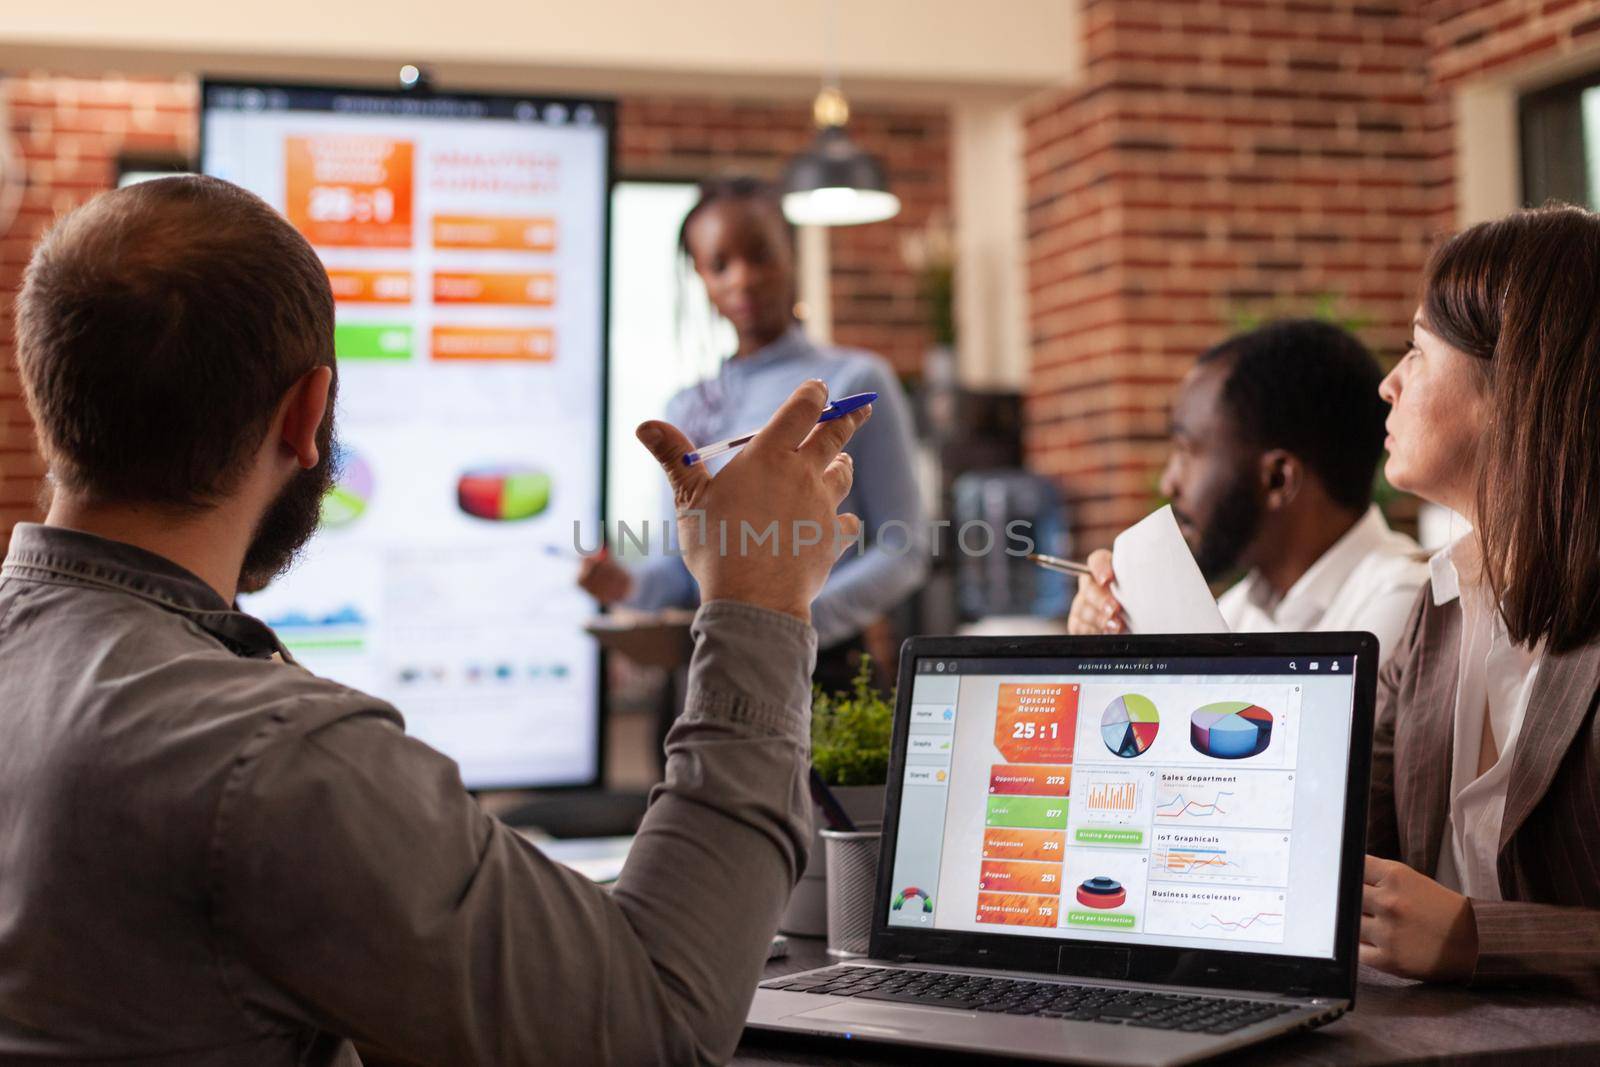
(1056, 563)
(839, 408)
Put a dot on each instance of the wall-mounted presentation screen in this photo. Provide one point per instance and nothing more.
(465, 240)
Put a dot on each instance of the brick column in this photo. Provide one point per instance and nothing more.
(1222, 159)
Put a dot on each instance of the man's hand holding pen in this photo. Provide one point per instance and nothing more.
(788, 484)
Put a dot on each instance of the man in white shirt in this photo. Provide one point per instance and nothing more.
(1276, 437)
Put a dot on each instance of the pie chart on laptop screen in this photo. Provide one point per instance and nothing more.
(1129, 725)
(1230, 729)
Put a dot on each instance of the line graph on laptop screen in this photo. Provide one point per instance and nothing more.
(1189, 805)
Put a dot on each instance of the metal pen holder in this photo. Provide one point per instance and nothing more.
(852, 883)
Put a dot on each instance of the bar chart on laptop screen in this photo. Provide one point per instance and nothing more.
(464, 240)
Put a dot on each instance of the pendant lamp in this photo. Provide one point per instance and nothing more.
(835, 183)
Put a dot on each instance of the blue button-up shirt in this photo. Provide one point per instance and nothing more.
(893, 557)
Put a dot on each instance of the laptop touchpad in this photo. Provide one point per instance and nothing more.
(879, 1017)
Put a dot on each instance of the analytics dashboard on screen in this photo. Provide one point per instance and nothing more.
(464, 238)
(1198, 803)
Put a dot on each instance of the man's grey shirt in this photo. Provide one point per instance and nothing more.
(209, 855)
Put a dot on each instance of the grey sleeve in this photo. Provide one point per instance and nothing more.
(359, 889)
(894, 553)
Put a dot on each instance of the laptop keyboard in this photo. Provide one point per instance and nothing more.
(1050, 1000)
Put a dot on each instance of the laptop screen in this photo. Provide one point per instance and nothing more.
(1189, 802)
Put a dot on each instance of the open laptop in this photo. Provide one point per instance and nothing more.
(1139, 850)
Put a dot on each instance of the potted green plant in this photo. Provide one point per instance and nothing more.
(850, 735)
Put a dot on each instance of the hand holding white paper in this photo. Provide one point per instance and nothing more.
(1158, 582)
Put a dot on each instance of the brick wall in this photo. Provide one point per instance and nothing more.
(1228, 157)
(1222, 158)
(1472, 39)
(71, 131)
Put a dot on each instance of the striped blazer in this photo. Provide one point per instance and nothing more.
(1547, 927)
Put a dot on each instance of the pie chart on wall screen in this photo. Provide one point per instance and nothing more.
(347, 500)
(503, 493)
(1129, 725)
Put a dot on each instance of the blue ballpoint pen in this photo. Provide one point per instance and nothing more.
(843, 406)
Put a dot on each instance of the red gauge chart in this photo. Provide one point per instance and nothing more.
(1102, 893)
(1129, 725)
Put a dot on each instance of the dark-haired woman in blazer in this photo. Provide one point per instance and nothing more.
(1485, 822)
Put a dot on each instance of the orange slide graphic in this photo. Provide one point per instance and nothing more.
(504, 233)
(1020, 877)
(1006, 844)
(345, 191)
(1036, 723)
(1016, 909)
(526, 290)
(370, 286)
(535, 344)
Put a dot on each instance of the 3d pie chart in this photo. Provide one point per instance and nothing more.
(1230, 729)
(1102, 892)
(503, 493)
(352, 491)
(1129, 725)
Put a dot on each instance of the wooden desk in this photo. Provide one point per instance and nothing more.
(1395, 1021)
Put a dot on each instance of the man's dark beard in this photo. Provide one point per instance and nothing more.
(291, 519)
(1235, 521)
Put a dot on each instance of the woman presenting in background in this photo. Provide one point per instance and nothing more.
(738, 242)
(1485, 821)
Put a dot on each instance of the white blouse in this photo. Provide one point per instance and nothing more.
(1496, 678)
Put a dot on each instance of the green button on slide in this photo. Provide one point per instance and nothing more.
(1034, 813)
(367, 341)
(1113, 920)
(1097, 835)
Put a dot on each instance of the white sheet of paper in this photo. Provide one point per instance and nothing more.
(1158, 582)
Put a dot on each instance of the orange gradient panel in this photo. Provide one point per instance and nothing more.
(1036, 723)
(506, 233)
(1007, 844)
(1020, 877)
(531, 345)
(370, 286)
(1017, 909)
(527, 290)
(1011, 779)
(349, 191)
